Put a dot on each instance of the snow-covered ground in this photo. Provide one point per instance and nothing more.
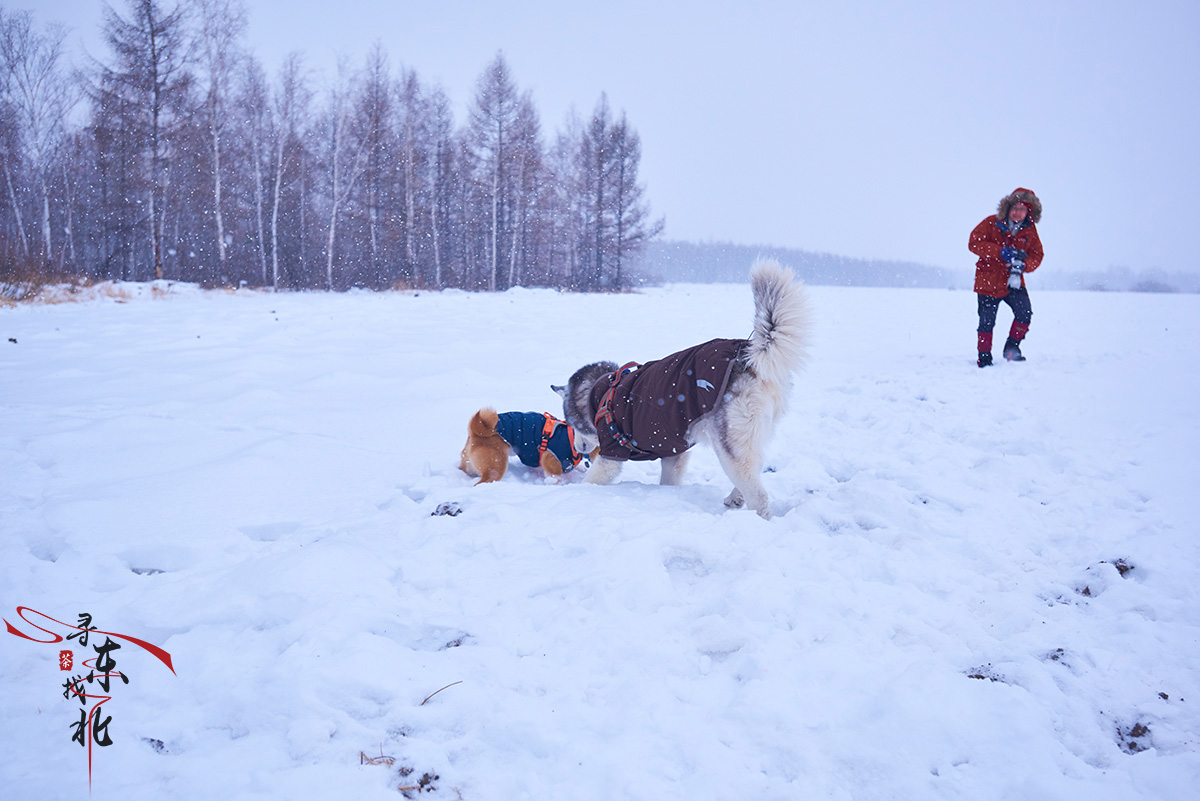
(978, 584)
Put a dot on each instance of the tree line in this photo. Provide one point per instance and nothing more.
(725, 262)
(177, 156)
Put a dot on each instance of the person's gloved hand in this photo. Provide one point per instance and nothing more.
(1008, 253)
(1015, 268)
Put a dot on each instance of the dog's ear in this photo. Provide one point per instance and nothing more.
(562, 391)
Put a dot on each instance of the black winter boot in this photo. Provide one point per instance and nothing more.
(985, 359)
(1012, 351)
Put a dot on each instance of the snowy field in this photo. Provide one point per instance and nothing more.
(978, 584)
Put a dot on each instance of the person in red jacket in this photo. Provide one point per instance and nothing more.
(1008, 246)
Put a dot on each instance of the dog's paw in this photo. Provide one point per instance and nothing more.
(735, 500)
(602, 471)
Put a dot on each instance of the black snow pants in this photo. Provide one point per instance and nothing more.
(1017, 299)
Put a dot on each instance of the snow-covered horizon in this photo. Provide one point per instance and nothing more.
(978, 584)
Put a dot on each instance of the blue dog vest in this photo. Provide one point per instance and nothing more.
(530, 433)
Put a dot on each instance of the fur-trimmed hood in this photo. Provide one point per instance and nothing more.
(1021, 195)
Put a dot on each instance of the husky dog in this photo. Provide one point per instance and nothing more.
(729, 392)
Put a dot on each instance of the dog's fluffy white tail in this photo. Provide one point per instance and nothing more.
(779, 344)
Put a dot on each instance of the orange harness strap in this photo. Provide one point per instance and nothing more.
(548, 431)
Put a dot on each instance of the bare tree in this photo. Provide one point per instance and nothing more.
(373, 119)
(493, 116)
(292, 101)
(254, 105)
(149, 75)
(617, 216)
(528, 168)
(9, 133)
(441, 171)
(41, 96)
(596, 168)
(76, 146)
(631, 214)
(412, 122)
(222, 25)
(568, 201)
(346, 159)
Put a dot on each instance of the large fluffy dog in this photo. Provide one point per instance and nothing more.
(729, 392)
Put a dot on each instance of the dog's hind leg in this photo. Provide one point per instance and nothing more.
(464, 464)
(673, 468)
(489, 475)
(744, 472)
(748, 490)
(602, 471)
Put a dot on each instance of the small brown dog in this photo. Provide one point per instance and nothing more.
(537, 438)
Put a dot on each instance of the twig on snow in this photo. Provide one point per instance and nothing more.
(435, 692)
(363, 759)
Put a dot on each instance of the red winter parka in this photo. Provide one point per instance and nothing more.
(996, 232)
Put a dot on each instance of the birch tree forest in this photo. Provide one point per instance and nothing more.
(177, 155)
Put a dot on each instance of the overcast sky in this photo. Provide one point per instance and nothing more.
(865, 129)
